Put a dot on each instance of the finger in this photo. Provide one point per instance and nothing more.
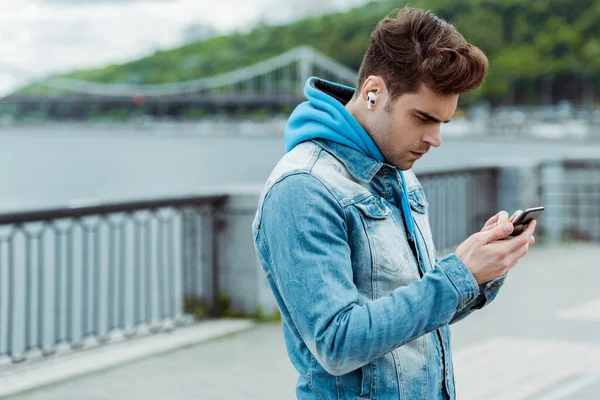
(490, 223)
(502, 217)
(515, 215)
(532, 240)
(495, 220)
(497, 233)
(516, 256)
(522, 239)
(530, 229)
(488, 227)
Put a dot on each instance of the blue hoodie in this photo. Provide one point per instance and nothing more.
(324, 116)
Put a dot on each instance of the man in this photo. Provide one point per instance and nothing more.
(342, 231)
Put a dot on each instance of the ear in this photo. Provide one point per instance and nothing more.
(373, 84)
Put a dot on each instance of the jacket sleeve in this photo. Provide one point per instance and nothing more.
(487, 293)
(303, 236)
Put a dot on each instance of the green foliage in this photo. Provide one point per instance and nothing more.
(120, 114)
(195, 112)
(261, 315)
(195, 306)
(225, 305)
(525, 40)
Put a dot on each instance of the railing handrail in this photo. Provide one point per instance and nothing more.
(45, 214)
(75, 211)
(454, 170)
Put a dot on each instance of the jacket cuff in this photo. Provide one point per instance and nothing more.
(462, 279)
(491, 289)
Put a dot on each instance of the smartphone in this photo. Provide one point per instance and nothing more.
(525, 218)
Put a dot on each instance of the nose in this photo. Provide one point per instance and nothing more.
(434, 137)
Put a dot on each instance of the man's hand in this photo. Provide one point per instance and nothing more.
(488, 256)
(499, 219)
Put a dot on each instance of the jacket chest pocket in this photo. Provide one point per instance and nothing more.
(389, 247)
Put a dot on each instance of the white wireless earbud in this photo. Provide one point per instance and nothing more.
(371, 100)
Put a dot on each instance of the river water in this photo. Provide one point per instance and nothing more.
(69, 164)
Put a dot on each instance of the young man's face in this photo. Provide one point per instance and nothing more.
(407, 128)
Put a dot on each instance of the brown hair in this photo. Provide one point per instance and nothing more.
(416, 47)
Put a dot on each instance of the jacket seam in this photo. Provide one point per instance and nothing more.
(425, 364)
(426, 246)
(310, 377)
(399, 376)
(373, 261)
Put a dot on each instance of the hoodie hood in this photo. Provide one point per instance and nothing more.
(323, 116)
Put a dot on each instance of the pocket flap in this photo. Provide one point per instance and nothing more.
(373, 207)
(417, 201)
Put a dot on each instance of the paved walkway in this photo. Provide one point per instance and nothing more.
(539, 340)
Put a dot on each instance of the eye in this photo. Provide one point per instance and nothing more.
(423, 120)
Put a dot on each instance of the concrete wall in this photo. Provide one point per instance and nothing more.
(242, 279)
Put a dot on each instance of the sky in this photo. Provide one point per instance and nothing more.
(43, 37)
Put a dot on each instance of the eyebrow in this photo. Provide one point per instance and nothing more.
(429, 116)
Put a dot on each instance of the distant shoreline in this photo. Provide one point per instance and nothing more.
(567, 131)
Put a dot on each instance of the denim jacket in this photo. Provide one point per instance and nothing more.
(362, 319)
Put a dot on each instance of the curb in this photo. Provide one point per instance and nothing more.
(29, 376)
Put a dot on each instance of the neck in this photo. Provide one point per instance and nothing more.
(358, 111)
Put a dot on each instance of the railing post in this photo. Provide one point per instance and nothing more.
(551, 185)
(218, 225)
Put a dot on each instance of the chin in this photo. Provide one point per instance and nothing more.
(405, 165)
(401, 163)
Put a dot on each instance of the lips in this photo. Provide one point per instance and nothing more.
(417, 155)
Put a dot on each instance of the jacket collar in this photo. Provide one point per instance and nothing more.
(361, 166)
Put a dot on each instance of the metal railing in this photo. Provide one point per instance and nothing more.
(571, 192)
(460, 202)
(68, 276)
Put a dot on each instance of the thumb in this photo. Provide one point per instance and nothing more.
(499, 232)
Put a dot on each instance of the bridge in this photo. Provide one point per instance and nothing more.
(275, 84)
